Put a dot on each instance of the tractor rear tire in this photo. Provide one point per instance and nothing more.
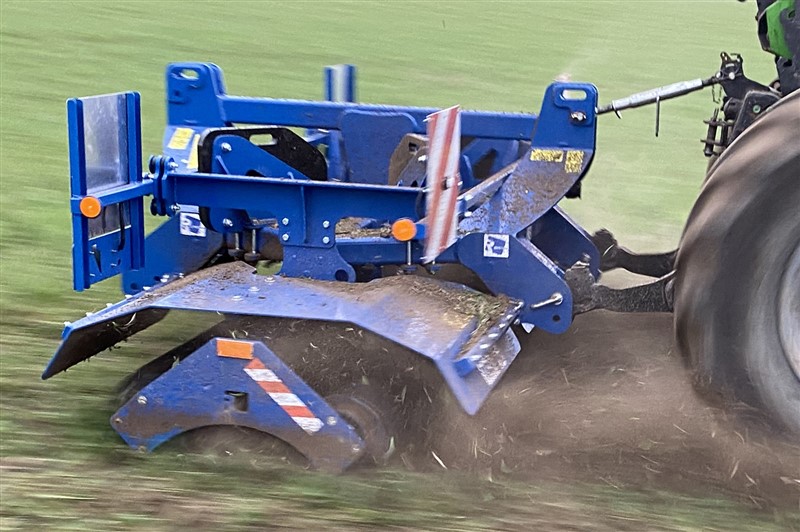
(737, 285)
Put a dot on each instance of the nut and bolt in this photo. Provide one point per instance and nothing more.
(331, 421)
(326, 224)
(285, 221)
(578, 116)
(142, 400)
(175, 208)
(225, 147)
(326, 240)
(756, 109)
(285, 237)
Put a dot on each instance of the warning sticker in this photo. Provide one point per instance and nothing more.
(191, 225)
(180, 138)
(574, 161)
(495, 246)
(549, 156)
(192, 163)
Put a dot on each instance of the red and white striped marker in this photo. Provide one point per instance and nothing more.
(444, 181)
(283, 396)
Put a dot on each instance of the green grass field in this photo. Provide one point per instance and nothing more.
(62, 466)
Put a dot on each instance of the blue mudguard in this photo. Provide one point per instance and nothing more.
(244, 384)
(464, 332)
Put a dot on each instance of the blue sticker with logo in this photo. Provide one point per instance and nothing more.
(495, 246)
(192, 226)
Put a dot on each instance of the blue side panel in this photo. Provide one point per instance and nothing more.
(369, 140)
(564, 241)
(178, 246)
(515, 267)
(208, 388)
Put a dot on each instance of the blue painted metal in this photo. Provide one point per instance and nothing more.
(241, 156)
(340, 86)
(509, 275)
(340, 83)
(511, 234)
(369, 139)
(171, 254)
(200, 99)
(206, 389)
(561, 153)
(564, 241)
(105, 155)
(429, 325)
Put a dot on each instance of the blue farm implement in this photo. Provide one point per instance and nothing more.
(408, 246)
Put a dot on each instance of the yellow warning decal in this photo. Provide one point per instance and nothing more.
(550, 156)
(180, 138)
(574, 161)
(192, 164)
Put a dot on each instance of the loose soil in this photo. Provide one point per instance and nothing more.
(611, 401)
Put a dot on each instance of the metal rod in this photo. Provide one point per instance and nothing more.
(656, 95)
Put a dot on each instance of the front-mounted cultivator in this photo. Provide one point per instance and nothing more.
(418, 239)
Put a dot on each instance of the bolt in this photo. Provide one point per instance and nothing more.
(285, 221)
(326, 240)
(227, 222)
(331, 421)
(326, 224)
(173, 165)
(578, 116)
(142, 400)
(756, 109)
(285, 237)
(225, 147)
(175, 208)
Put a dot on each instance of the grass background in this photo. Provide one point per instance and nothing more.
(61, 464)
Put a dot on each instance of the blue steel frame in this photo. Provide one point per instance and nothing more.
(516, 207)
(307, 210)
(96, 258)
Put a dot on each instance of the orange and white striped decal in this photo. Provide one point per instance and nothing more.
(444, 181)
(283, 396)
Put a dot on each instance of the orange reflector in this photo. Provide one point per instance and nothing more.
(90, 207)
(234, 349)
(404, 229)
